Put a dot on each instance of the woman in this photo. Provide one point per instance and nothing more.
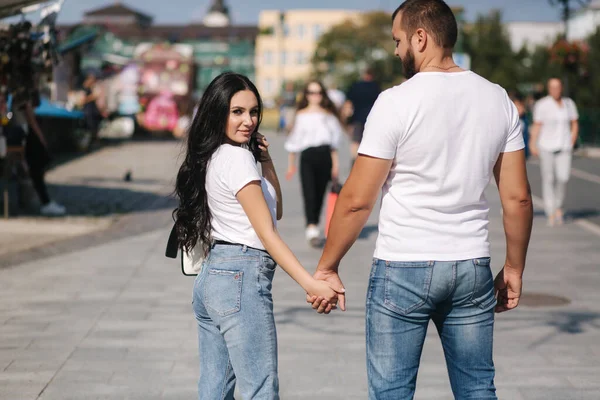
(228, 211)
(552, 137)
(315, 135)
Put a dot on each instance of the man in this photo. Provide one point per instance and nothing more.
(360, 99)
(433, 144)
(553, 136)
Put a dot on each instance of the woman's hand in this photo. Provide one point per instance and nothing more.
(263, 145)
(335, 172)
(323, 290)
(290, 172)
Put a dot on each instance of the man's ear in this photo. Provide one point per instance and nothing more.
(421, 38)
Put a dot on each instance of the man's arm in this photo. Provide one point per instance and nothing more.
(515, 194)
(574, 132)
(352, 209)
(534, 133)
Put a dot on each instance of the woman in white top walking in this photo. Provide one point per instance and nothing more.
(553, 135)
(228, 210)
(315, 135)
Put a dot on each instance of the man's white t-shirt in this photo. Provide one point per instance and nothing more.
(555, 120)
(230, 169)
(445, 132)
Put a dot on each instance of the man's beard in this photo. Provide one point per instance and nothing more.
(408, 64)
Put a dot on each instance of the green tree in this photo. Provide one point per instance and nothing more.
(354, 44)
(492, 57)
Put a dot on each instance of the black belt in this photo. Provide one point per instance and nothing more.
(225, 243)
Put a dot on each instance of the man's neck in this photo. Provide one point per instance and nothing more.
(441, 62)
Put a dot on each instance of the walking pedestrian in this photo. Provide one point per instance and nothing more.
(553, 135)
(228, 211)
(431, 145)
(37, 156)
(315, 135)
(360, 99)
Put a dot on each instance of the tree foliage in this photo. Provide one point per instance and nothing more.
(355, 44)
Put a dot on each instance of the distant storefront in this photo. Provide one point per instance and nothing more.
(119, 36)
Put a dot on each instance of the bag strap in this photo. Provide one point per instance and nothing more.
(172, 245)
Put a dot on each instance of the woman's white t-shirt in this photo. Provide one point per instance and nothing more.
(555, 120)
(230, 169)
(314, 129)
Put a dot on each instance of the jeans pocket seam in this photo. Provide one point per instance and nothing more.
(237, 307)
(482, 305)
(400, 310)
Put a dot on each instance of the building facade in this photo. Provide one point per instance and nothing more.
(218, 45)
(532, 34)
(584, 22)
(286, 44)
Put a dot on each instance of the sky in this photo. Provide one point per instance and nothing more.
(247, 11)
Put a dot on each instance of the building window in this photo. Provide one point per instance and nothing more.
(317, 31)
(284, 59)
(300, 58)
(268, 85)
(286, 30)
(300, 31)
(268, 57)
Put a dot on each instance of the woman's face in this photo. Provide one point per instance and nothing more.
(243, 117)
(314, 94)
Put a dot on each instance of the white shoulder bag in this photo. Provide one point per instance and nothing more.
(191, 262)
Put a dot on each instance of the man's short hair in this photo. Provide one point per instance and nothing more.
(435, 16)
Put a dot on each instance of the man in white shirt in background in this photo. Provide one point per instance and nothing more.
(553, 135)
(431, 145)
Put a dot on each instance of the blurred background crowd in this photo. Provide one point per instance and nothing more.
(116, 74)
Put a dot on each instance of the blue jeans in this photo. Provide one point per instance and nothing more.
(402, 297)
(236, 328)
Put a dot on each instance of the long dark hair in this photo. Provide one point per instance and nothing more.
(206, 134)
(326, 102)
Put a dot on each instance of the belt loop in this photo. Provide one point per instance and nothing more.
(430, 263)
(476, 262)
(244, 248)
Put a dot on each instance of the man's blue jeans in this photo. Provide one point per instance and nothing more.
(236, 327)
(402, 297)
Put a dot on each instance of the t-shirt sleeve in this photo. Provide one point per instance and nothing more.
(383, 129)
(240, 170)
(293, 144)
(572, 108)
(336, 130)
(538, 112)
(514, 140)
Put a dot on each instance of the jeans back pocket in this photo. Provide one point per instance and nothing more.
(223, 291)
(407, 285)
(483, 286)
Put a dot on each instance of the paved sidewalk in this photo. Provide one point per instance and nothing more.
(114, 321)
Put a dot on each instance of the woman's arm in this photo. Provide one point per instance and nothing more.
(335, 164)
(253, 202)
(269, 172)
(291, 166)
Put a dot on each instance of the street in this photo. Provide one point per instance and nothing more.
(107, 316)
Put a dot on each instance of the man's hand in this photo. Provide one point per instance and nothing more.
(533, 149)
(507, 287)
(321, 305)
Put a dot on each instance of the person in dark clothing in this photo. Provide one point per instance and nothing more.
(93, 116)
(361, 96)
(37, 158)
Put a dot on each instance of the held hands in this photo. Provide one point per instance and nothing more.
(320, 303)
(507, 287)
(325, 292)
